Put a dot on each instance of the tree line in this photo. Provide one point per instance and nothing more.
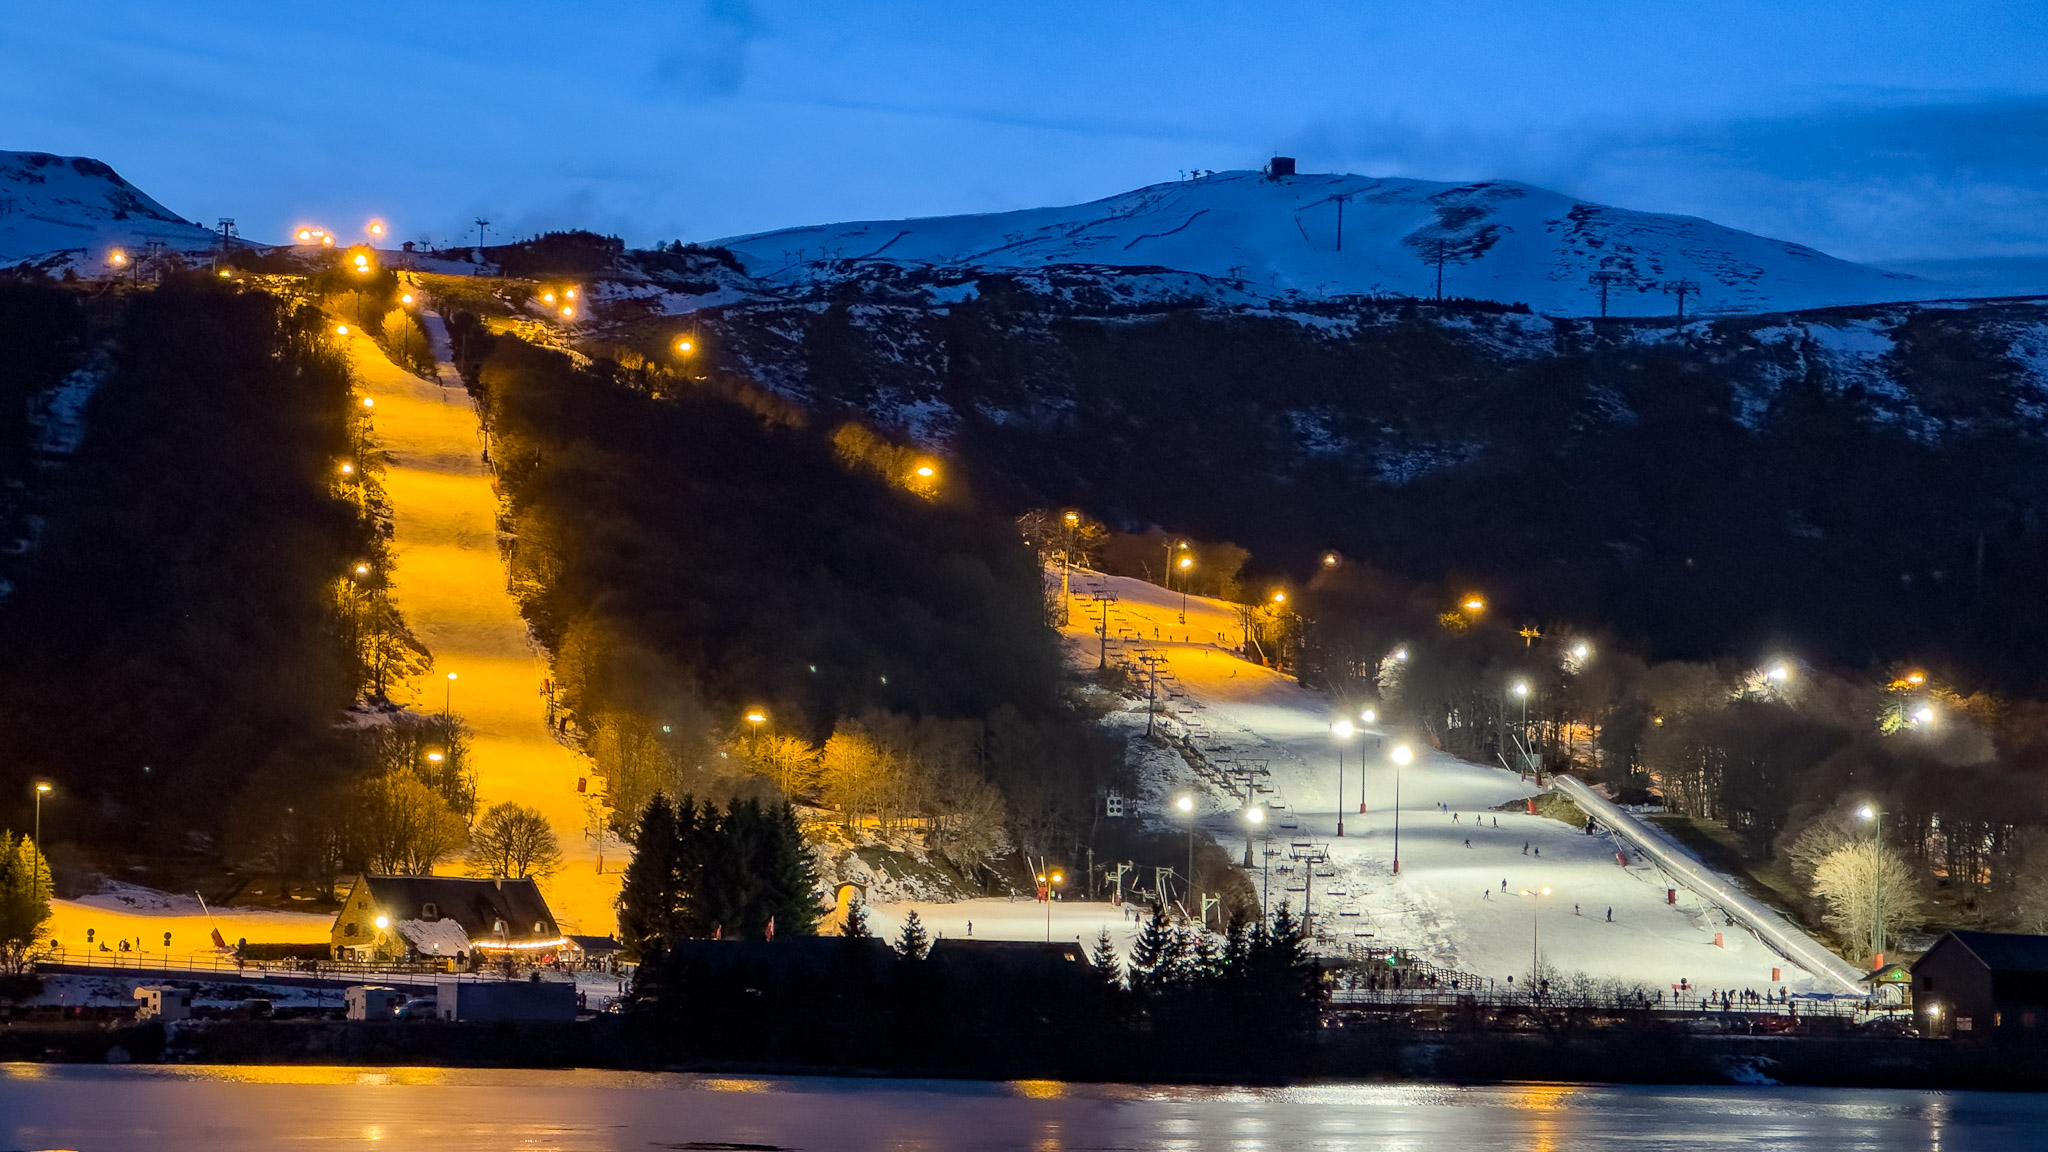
(1186, 1001)
(691, 560)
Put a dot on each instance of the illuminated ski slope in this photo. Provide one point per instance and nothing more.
(1447, 905)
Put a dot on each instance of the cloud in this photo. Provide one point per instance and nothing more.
(709, 59)
(1886, 178)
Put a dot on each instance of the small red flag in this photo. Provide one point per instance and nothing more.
(771, 928)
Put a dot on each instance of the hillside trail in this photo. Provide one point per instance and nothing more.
(449, 580)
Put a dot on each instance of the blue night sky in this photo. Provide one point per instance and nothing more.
(1918, 132)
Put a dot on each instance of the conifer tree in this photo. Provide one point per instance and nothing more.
(1154, 954)
(856, 926)
(912, 943)
(651, 899)
(791, 874)
(24, 899)
(735, 890)
(1106, 962)
(1203, 961)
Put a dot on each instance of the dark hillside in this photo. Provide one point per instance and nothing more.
(174, 627)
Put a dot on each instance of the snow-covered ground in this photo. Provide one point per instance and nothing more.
(1455, 901)
(1339, 234)
(82, 209)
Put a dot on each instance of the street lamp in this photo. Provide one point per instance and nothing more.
(1875, 815)
(36, 874)
(1343, 731)
(448, 699)
(1522, 691)
(1186, 562)
(1185, 804)
(1255, 816)
(1535, 927)
(1046, 883)
(1073, 523)
(1402, 754)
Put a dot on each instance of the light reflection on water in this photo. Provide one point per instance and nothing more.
(226, 1109)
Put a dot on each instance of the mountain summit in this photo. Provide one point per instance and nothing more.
(1341, 235)
(56, 209)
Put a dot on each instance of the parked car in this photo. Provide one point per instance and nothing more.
(418, 1008)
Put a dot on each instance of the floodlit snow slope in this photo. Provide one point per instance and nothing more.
(58, 205)
(1455, 901)
(449, 581)
(1508, 242)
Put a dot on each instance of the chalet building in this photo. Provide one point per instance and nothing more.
(1977, 983)
(448, 920)
(1010, 963)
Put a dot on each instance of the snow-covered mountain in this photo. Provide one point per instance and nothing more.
(61, 209)
(1498, 240)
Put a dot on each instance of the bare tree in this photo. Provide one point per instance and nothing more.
(399, 825)
(1862, 880)
(513, 840)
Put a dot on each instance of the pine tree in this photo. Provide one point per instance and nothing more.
(24, 899)
(1153, 955)
(696, 844)
(1203, 961)
(856, 926)
(912, 943)
(650, 900)
(791, 874)
(1106, 961)
(735, 891)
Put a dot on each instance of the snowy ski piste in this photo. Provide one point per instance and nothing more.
(1456, 902)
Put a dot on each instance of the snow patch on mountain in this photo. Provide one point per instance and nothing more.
(72, 209)
(1322, 236)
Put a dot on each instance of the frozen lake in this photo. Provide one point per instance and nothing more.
(225, 1109)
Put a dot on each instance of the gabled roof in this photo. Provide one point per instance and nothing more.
(2001, 951)
(1016, 957)
(477, 906)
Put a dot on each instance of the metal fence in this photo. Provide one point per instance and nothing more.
(209, 964)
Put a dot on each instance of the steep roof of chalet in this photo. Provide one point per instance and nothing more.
(2002, 951)
(476, 905)
(1015, 957)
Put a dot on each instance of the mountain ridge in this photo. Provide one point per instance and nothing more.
(1498, 240)
(65, 209)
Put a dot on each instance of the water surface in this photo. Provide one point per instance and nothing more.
(225, 1109)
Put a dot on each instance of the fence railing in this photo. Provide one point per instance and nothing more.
(1668, 1005)
(217, 965)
